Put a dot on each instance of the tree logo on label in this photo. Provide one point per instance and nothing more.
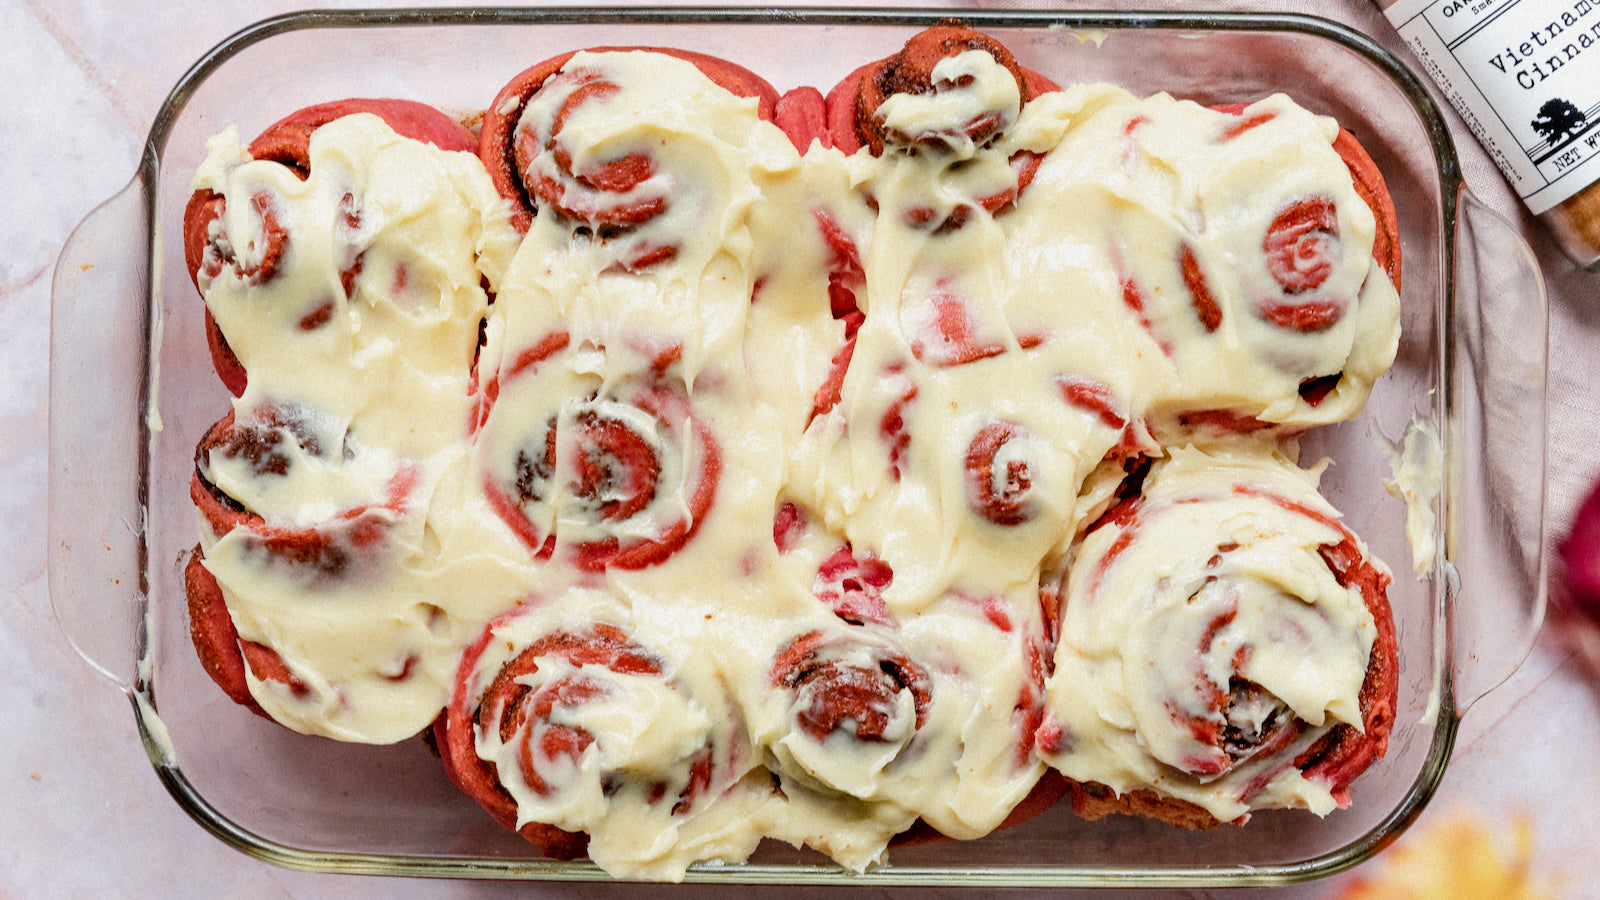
(1558, 120)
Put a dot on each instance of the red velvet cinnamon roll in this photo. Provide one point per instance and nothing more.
(534, 163)
(1226, 645)
(1303, 249)
(964, 774)
(950, 92)
(853, 702)
(255, 253)
(1297, 255)
(617, 476)
(264, 456)
(902, 719)
(854, 104)
(570, 727)
(1274, 302)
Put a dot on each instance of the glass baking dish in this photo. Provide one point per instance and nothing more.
(132, 390)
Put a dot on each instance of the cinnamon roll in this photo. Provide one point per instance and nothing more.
(305, 543)
(571, 726)
(1226, 645)
(610, 476)
(251, 245)
(525, 143)
(949, 93)
(1293, 330)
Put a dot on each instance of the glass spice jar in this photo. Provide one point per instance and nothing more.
(1525, 75)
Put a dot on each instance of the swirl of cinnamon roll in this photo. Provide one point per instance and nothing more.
(1276, 304)
(845, 704)
(999, 478)
(950, 93)
(855, 117)
(251, 245)
(932, 717)
(1298, 241)
(1226, 645)
(534, 140)
(614, 477)
(326, 508)
(571, 728)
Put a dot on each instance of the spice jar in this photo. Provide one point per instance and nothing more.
(1525, 75)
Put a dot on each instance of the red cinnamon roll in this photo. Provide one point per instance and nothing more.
(1275, 303)
(307, 600)
(904, 721)
(534, 165)
(853, 104)
(208, 248)
(853, 703)
(569, 728)
(1299, 260)
(262, 458)
(1226, 645)
(950, 91)
(615, 477)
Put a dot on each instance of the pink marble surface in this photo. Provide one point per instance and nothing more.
(83, 814)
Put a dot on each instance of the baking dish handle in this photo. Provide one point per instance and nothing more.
(1497, 432)
(99, 333)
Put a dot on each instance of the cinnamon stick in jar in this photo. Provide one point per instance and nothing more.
(1525, 76)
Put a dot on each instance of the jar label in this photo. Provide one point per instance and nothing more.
(1525, 75)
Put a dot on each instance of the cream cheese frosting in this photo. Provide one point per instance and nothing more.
(818, 438)
(1217, 574)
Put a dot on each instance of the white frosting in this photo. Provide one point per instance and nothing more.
(1217, 578)
(966, 87)
(647, 441)
(632, 787)
(1417, 461)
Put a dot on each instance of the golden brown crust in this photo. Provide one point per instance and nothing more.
(1093, 801)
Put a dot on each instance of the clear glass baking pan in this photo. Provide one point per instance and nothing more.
(132, 390)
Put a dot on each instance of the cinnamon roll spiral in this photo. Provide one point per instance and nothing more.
(571, 728)
(251, 246)
(1226, 645)
(609, 477)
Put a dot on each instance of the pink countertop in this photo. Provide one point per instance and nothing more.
(83, 814)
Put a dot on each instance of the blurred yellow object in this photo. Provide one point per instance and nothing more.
(1458, 857)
